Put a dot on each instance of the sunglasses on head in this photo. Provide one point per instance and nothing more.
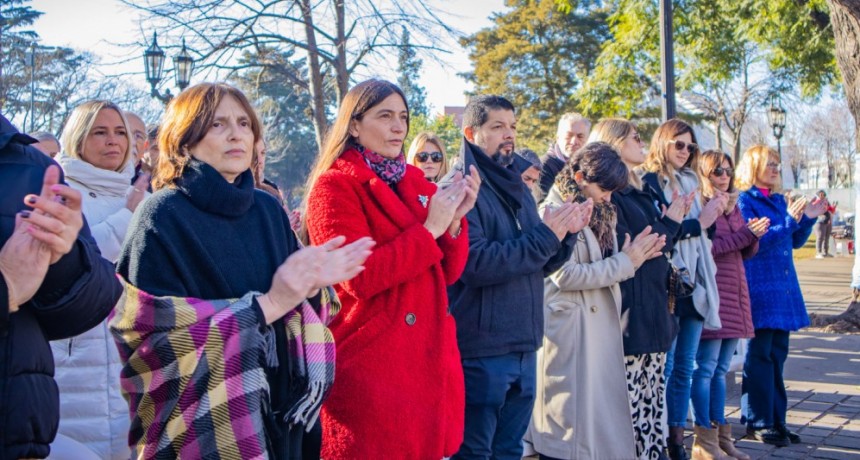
(720, 171)
(680, 145)
(424, 156)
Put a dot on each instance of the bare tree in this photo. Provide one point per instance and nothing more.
(730, 104)
(339, 37)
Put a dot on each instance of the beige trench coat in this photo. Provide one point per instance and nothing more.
(581, 407)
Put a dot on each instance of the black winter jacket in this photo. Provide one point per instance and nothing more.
(647, 325)
(78, 292)
(498, 301)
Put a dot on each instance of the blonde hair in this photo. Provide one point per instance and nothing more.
(186, 122)
(418, 143)
(658, 153)
(614, 131)
(81, 122)
(753, 163)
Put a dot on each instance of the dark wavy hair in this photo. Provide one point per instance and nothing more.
(599, 163)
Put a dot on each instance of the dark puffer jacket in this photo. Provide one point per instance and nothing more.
(733, 243)
(78, 292)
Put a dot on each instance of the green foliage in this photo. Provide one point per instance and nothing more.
(713, 40)
(283, 106)
(536, 56)
(409, 71)
(442, 126)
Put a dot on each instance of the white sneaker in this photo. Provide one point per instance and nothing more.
(819, 256)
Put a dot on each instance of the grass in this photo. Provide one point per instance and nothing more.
(808, 249)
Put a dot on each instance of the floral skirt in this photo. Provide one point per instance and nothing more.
(646, 384)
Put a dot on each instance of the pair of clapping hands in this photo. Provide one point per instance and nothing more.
(41, 237)
(799, 205)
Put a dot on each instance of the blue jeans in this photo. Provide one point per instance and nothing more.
(763, 397)
(679, 370)
(709, 380)
(500, 393)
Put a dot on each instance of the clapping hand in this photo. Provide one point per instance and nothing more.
(758, 226)
(309, 269)
(582, 216)
(797, 206)
(644, 247)
(713, 209)
(56, 217)
(24, 263)
(680, 206)
(815, 209)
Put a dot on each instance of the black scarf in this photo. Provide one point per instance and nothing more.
(506, 182)
(210, 192)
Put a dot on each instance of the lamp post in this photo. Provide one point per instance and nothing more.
(153, 62)
(776, 118)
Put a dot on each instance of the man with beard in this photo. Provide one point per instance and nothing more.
(572, 132)
(498, 301)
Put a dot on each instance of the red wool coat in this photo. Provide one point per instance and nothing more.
(398, 389)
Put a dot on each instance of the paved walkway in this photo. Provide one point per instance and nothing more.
(822, 375)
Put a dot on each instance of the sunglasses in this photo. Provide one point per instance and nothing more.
(424, 156)
(680, 145)
(773, 166)
(720, 171)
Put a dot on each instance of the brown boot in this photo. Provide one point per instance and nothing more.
(727, 444)
(705, 446)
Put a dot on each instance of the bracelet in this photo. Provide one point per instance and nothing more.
(459, 230)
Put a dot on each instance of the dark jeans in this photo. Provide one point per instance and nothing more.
(764, 401)
(500, 392)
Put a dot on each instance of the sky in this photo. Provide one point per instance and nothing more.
(99, 24)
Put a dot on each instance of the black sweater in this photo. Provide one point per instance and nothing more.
(210, 239)
(647, 325)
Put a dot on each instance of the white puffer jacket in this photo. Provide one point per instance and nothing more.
(92, 409)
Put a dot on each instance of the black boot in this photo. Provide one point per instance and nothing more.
(770, 436)
(793, 437)
(675, 443)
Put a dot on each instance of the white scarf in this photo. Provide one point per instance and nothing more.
(695, 253)
(101, 181)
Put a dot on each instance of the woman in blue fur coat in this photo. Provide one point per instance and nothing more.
(775, 297)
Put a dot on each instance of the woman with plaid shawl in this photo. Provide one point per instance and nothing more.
(223, 326)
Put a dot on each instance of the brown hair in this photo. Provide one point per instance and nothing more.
(658, 153)
(186, 122)
(754, 162)
(708, 162)
(418, 143)
(614, 131)
(361, 98)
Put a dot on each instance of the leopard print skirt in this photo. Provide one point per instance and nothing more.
(646, 385)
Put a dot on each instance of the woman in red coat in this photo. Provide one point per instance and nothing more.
(399, 385)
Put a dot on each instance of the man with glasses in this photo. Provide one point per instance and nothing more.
(572, 132)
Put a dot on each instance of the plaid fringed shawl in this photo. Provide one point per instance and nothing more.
(193, 371)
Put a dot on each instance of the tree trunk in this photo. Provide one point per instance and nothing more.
(315, 75)
(845, 20)
(341, 72)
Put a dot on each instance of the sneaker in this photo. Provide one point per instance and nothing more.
(793, 437)
(769, 436)
(828, 255)
(819, 256)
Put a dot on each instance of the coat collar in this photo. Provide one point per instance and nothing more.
(406, 204)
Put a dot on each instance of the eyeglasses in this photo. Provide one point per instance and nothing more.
(720, 171)
(773, 166)
(637, 138)
(424, 156)
(679, 145)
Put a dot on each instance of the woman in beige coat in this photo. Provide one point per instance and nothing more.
(581, 407)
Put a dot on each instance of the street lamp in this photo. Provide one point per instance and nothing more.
(776, 118)
(153, 62)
